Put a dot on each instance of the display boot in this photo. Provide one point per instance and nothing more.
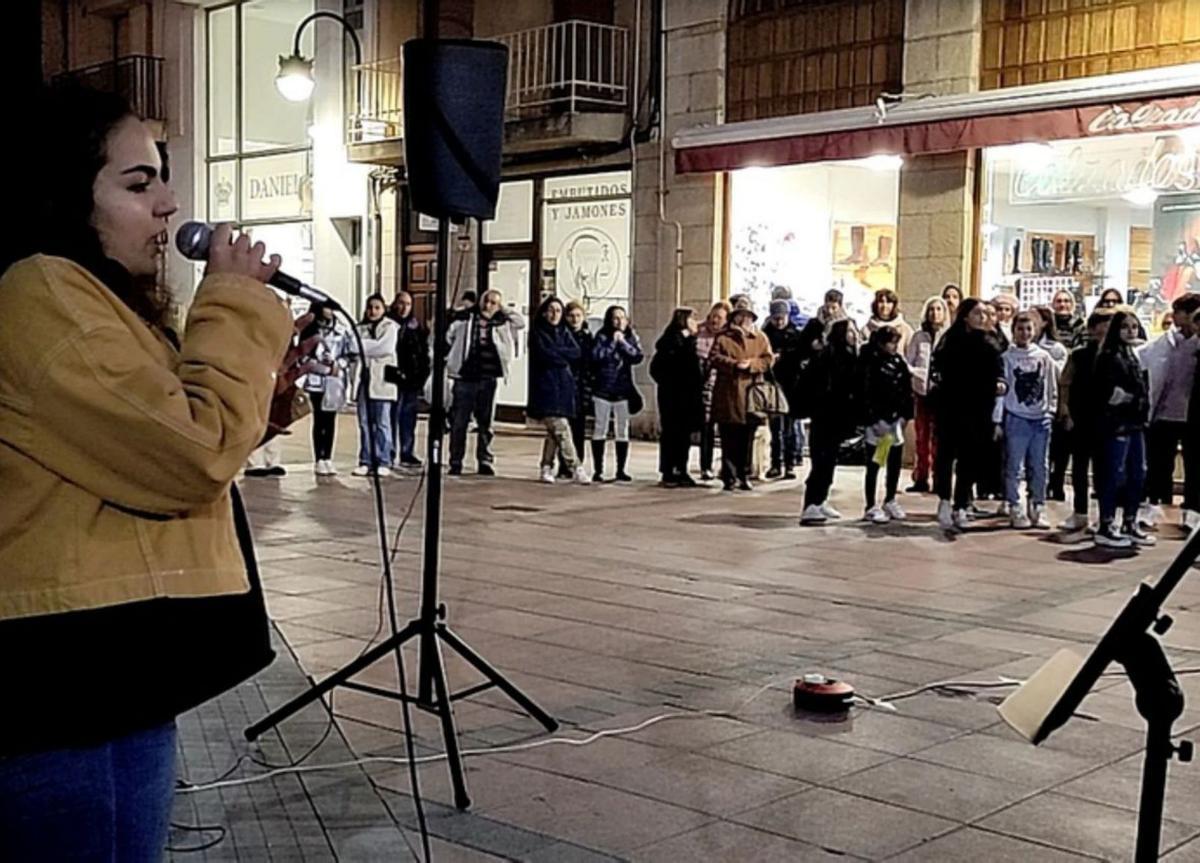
(884, 256)
(622, 458)
(598, 460)
(858, 245)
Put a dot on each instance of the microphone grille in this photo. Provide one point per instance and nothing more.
(192, 240)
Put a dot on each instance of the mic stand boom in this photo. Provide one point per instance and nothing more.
(429, 627)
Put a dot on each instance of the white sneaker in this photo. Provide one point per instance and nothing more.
(1138, 536)
(1191, 519)
(361, 470)
(1037, 518)
(330, 468)
(1020, 521)
(894, 511)
(384, 470)
(1076, 521)
(1150, 514)
(1110, 536)
(962, 519)
(813, 514)
(319, 467)
(876, 515)
(828, 510)
(945, 515)
(581, 476)
(547, 474)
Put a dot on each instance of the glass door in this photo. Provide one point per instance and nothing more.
(513, 278)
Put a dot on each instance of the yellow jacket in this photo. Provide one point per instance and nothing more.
(117, 451)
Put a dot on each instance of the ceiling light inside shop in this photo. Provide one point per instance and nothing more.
(1143, 196)
(882, 162)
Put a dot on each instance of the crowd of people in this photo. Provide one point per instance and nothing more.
(1000, 401)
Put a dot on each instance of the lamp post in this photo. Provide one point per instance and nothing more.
(295, 79)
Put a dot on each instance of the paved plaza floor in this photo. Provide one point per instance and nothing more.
(612, 605)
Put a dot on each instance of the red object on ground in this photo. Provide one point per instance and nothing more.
(821, 694)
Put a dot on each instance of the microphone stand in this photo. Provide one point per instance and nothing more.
(429, 627)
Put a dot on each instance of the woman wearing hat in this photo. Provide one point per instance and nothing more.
(740, 354)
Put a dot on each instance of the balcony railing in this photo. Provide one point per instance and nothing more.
(573, 65)
(137, 77)
(570, 67)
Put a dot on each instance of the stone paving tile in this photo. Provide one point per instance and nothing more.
(933, 789)
(838, 822)
(981, 845)
(808, 758)
(723, 840)
(1080, 825)
(1015, 761)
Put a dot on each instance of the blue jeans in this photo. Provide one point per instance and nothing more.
(787, 441)
(374, 423)
(102, 804)
(1121, 471)
(1027, 444)
(404, 424)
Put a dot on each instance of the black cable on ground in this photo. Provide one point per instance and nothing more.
(198, 828)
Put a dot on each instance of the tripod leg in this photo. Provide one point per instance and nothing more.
(336, 679)
(480, 664)
(436, 670)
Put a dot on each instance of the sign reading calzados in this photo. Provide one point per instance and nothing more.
(1147, 117)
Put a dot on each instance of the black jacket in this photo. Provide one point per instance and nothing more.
(963, 374)
(1114, 369)
(1080, 398)
(886, 387)
(579, 368)
(786, 343)
(675, 367)
(413, 363)
(552, 350)
(834, 391)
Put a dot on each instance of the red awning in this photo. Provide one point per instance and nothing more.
(946, 124)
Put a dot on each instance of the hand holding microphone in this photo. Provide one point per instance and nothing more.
(226, 255)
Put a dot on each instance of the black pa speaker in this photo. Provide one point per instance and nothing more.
(454, 125)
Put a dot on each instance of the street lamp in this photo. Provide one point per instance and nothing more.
(295, 79)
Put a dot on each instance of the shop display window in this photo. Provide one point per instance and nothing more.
(1086, 215)
(810, 228)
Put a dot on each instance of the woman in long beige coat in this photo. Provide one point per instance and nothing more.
(740, 354)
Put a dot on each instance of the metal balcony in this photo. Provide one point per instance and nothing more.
(138, 78)
(556, 73)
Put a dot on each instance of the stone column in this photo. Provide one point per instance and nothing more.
(935, 237)
(695, 94)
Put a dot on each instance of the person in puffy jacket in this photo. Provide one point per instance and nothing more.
(675, 368)
(325, 383)
(713, 326)
(376, 395)
(1121, 404)
(834, 394)
(964, 378)
(935, 319)
(887, 404)
(615, 351)
(552, 390)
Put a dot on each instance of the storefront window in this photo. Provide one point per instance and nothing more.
(270, 122)
(514, 215)
(1119, 212)
(809, 228)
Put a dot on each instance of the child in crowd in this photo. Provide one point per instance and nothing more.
(887, 400)
(1026, 410)
(834, 378)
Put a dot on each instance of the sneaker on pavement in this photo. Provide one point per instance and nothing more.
(1137, 535)
(789, 473)
(485, 469)
(1076, 521)
(945, 515)
(828, 510)
(384, 470)
(547, 475)
(707, 475)
(813, 514)
(685, 480)
(361, 470)
(1019, 520)
(962, 519)
(775, 472)
(1150, 514)
(455, 470)
(1037, 517)
(1191, 519)
(411, 461)
(1108, 536)
(876, 515)
(581, 476)
(921, 487)
(894, 511)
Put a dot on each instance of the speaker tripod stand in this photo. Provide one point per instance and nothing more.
(429, 628)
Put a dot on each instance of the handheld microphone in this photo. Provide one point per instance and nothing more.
(193, 238)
